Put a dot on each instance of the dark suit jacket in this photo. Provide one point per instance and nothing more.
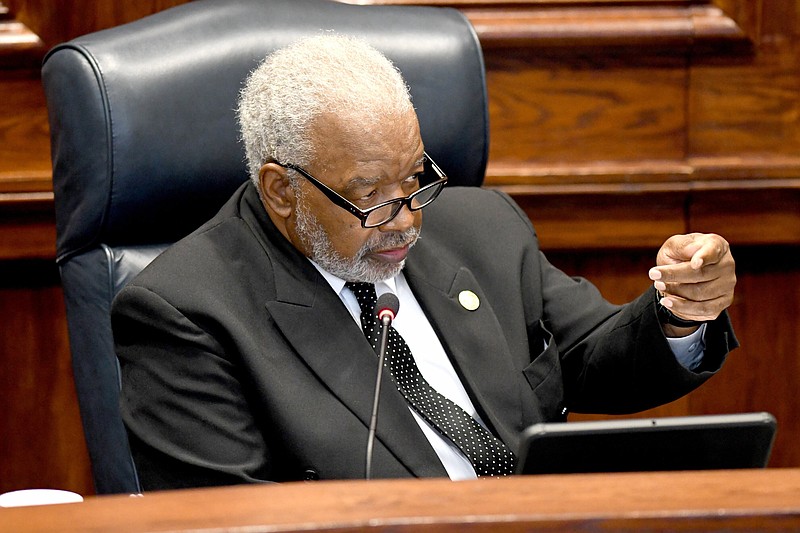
(240, 364)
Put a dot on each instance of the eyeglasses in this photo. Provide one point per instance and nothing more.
(385, 211)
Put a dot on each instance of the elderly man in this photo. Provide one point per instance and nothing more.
(247, 348)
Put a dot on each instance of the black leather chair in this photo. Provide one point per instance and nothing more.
(145, 148)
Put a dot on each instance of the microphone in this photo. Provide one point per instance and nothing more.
(386, 309)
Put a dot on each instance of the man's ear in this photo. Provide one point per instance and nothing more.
(276, 191)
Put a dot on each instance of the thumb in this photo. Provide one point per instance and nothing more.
(680, 249)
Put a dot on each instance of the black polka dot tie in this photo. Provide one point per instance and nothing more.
(488, 455)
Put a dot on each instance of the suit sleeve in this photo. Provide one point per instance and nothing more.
(625, 364)
(613, 359)
(177, 385)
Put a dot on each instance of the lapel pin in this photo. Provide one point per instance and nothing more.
(469, 300)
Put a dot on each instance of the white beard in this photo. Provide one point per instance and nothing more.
(359, 267)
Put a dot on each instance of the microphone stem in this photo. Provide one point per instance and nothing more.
(373, 422)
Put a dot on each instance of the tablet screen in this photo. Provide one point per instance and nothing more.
(705, 442)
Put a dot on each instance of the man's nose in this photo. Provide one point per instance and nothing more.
(401, 222)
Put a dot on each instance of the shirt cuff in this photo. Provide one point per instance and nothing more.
(689, 350)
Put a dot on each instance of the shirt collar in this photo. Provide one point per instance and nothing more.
(337, 283)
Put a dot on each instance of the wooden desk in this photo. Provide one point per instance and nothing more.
(730, 500)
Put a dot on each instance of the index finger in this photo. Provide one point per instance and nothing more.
(681, 273)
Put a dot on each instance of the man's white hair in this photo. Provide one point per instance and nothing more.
(324, 74)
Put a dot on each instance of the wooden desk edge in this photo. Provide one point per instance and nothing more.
(693, 500)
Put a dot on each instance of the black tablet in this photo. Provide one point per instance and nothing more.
(706, 442)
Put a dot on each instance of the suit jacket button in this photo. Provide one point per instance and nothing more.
(309, 474)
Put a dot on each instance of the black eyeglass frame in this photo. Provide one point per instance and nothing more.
(363, 214)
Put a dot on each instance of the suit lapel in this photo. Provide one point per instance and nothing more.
(473, 339)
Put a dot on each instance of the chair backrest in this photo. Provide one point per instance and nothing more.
(145, 148)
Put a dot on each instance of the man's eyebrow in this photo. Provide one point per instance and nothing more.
(366, 182)
(360, 183)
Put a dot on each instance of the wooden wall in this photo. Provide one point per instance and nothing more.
(613, 123)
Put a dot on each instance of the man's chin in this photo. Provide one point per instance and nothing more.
(381, 271)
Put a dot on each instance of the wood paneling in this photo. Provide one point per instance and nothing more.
(55, 21)
(734, 112)
(601, 221)
(19, 46)
(24, 135)
(614, 123)
(762, 216)
(42, 440)
(537, 101)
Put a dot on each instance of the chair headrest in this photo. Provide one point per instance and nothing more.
(145, 144)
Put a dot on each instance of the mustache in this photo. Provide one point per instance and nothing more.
(386, 241)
